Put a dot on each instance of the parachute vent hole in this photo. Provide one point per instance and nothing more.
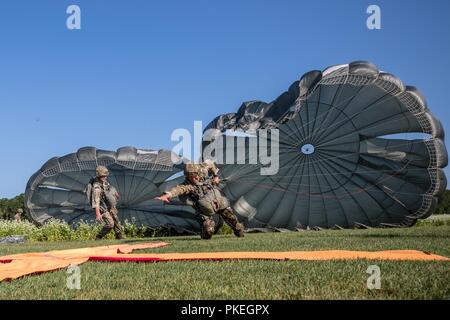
(307, 149)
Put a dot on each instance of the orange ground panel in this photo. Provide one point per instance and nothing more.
(19, 265)
(412, 255)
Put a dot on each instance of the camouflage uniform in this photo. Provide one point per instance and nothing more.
(103, 199)
(207, 199)
(18, 216)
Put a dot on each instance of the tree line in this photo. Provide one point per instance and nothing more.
(444, 204)
(8, 207)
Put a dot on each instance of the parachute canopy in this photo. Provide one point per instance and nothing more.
(341, 161)
(56, 190)
(347, 156)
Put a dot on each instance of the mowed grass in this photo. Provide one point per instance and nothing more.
(252, 279)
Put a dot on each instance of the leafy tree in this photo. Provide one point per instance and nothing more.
(8, 207)
(444, 204)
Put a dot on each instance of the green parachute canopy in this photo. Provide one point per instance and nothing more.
(56, 190)
(356, 148)
(341, 161)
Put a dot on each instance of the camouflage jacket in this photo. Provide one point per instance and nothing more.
(104, 196)
(206, 197)
(206, 169)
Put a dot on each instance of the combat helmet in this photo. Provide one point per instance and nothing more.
(102, 171)
(192, 169)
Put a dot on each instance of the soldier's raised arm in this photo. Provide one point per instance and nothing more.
(211, 167)
(175, 192)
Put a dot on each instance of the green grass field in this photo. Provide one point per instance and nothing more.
(252, 279)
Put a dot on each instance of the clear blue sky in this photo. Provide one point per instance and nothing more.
(139, 69)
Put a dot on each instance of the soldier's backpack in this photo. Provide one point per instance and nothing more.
(109, 199)
(89, 191)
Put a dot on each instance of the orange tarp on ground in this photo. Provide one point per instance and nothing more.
(287, 255)
(18, 265)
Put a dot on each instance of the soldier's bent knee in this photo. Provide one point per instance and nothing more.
(205, 235)
(208, 229)
(209, 225)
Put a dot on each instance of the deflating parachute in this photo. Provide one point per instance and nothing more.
(339, 163)
(56, 190)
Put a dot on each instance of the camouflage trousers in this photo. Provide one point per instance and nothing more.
(111, 222)
(209, 225)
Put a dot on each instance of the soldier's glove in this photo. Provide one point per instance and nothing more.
(216, 180)
(165, 198)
